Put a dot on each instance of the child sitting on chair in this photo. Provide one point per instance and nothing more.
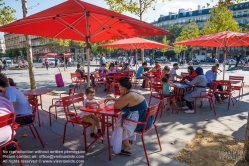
(91, 118)
(166, 90)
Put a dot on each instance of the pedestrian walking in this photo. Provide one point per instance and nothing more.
(238, 57)
(5, 66)
(55, 62)
(66, 61)
(46, 63)
(229, 63)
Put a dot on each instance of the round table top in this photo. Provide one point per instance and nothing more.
(37, 92)
(107, 110)
(180, 85)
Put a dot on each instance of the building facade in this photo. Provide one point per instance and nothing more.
(13, 41)
(200, 16)
(2, 46)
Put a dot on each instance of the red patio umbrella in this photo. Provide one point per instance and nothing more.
(221, 40)
(135, 43)
(78, 20)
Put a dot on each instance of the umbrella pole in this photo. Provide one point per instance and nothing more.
(136, 60)
(224, 62)
(88, 46)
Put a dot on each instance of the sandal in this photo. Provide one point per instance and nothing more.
(125, 153)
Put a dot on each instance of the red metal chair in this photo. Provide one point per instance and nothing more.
(57, 102)
(34, 104)
(156, 91)
(73, 118)
(9, 120)
(240, 79)
(151, 111)
(208, 95)
(99, 78)
(227, 90)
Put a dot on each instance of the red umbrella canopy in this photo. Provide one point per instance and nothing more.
(222, 39)
(135, 43)
(78, 20)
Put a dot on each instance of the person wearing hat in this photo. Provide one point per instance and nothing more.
(199, 83)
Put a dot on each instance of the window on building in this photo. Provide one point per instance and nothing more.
(234, 14)
(190, 13)
(244, 21)
(245, 13)
(239, 14)
(204, 18)
(183, 21)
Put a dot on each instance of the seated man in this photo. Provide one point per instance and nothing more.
(173, 74)
(80, 71)
(212, 75)
(141, 74)
(156, 69)
(19, 101)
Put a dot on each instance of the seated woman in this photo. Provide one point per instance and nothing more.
(6, 107)
(109, 75)
(199, 83)
(165, 71)
(191, 76)
(125, 67)
(19, 101)
(131, 103)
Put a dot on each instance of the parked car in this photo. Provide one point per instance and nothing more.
(8, 60)
(201, 58)
(162, 58)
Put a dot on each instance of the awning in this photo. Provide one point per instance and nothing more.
(48, 55)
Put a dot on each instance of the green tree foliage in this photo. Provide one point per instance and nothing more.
(221, 20)
(98, 50)
(13, 53)
(137, 7)
(189, 32)
(6, 13)
(165, 41)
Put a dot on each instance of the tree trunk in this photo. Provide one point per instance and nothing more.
(246, 146)
(28, 47)
(141, 18)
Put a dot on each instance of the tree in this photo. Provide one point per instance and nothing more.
(6, 13)
(134, 7)
(165, 41)
(28, 50)
(221, 20)
(64, 44)
(189, 32)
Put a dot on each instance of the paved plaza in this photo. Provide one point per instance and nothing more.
(178, 128)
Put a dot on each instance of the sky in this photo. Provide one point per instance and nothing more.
(151, 15)
(161, 8)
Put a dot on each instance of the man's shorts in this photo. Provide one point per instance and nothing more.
(87, 118)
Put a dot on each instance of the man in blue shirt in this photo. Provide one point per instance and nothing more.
(141, 72)
(212, 75)
(19, 101)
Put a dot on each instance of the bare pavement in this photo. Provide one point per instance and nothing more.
(178, 128)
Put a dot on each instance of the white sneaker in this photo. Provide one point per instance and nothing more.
(185, 107)
(189, 111)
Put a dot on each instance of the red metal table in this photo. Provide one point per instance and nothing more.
(179, 87)
(38, 92)
(105, 111)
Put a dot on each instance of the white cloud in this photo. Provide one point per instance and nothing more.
(174, 6)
